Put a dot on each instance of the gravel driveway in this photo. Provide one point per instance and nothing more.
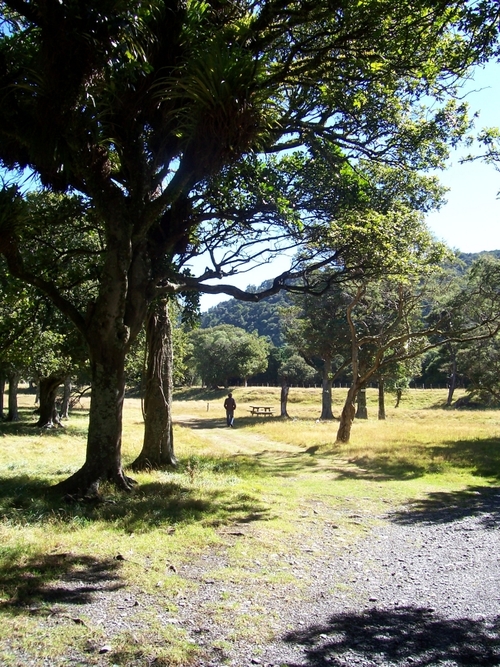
(420, 589)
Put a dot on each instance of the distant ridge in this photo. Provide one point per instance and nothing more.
(469, 257)
(263, 317)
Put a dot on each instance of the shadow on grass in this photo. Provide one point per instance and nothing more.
(26, 426)
(216, 422)
(151, 505)
(157, 504)
(382, 467)
(481, 456)
(48, 579)
(399, 637)
(220, 422)
(446, 507)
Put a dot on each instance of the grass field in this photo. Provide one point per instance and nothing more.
(273, 477)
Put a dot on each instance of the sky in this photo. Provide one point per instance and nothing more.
(470, 219)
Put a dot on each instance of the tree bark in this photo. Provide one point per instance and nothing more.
(347, 414)
(49, 415)
(326, 395)
(13, 411)
(66, 398)
(381, 399)
(362, 411)
(103, 455)
(284, 399)
(158, 445)
(349, 409)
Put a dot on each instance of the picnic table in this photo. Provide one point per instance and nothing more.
(266, 410)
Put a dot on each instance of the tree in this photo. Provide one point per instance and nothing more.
(225, 353)
(162, 343)
(402, 331)
(317, 330)
(293, 369)
(36, 342)
(296, 371)
(39, 339)
(481, 364)
(396, 378)
(369, 219)
(158, 445)
(387, 341)
(478, 360)
(137, 105)
(17, 311)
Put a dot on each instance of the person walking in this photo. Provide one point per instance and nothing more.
(230, 407)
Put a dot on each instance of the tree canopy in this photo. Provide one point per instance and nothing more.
(224, 353)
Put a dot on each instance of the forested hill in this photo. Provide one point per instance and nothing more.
(263, 317)
(469, 257)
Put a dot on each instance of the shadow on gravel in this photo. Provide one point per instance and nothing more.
(399, 637)
(445, 507)
(28, 584)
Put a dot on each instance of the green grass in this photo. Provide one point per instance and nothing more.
(274, 484)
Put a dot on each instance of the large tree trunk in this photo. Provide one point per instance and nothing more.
(158, 446)
(49, 415)
(347, 414)
(13, 412)
(103, 455)
(326, 396)
(66, 398)
(284, 399)
(362, 411)
(381, 399)
(111, 325)
(349, 409)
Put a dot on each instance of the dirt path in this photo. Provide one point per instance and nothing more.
(236, 440)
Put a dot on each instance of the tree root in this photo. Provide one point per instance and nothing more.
(85, 483)
(145, 464)
(49, 424)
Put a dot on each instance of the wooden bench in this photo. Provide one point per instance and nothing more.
(264, 410)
